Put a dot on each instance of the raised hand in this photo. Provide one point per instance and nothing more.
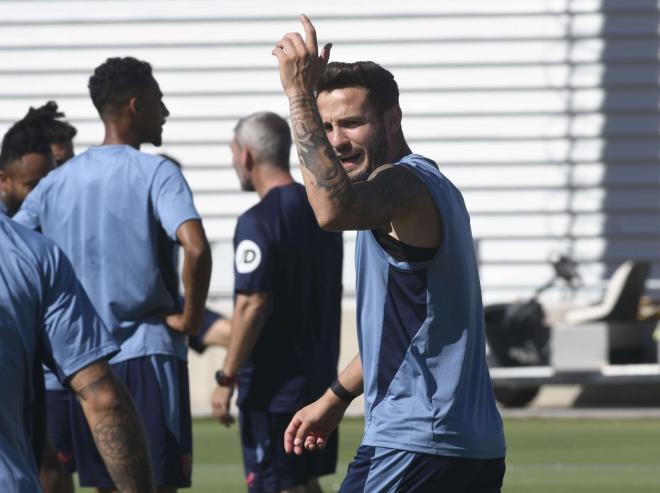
(299, 61)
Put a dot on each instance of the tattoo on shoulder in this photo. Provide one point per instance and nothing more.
(398, 190)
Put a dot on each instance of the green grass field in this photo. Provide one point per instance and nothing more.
(544, 456)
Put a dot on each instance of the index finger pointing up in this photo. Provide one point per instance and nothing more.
(310, 35)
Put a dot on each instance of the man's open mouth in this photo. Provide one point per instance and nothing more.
(349, 161)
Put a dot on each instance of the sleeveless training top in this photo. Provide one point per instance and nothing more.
(421, 336)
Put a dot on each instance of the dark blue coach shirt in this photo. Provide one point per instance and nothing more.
(280, 250)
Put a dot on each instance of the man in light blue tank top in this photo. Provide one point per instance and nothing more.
(106, 209)
(431, 423)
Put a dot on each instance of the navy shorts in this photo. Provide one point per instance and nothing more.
(378, 469)
(268, 468)
(59, 427)
(159, 387)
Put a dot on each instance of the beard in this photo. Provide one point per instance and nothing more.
(247, 186)
(375, 156)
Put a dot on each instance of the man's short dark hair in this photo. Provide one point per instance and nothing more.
(117, 80)
(268, 135)
(379, 82)
(48, 118)
(26, 136)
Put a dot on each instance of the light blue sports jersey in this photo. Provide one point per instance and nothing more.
(421, 337)
(50, 379)
(42, 308)
(104, 208)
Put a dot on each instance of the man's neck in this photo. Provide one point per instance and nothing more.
(268, 178)
(399, 151)
(116, 135)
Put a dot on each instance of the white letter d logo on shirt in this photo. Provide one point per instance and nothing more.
(248, 256)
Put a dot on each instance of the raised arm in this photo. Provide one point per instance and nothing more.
(115, 426)
(390, 195)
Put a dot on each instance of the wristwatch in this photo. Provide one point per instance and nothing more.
(224, 380)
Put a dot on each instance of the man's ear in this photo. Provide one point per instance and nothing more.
(4, 180)
(247, 159)
(134, 105)
(393, 120)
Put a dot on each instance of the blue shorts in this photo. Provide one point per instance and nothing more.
(377, 469)
(268, 468)
(159, 387)
(58, 409)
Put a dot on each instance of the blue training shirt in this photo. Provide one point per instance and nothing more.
(43, 310)
(105, 209)
(168, 252)
(281, 250)
(421, 337)
(51, 382)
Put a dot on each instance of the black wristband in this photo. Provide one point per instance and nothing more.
(341, 392)
(224, 380)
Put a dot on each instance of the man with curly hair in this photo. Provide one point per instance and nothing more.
(105, 209)
(24, 160)
(58, 133)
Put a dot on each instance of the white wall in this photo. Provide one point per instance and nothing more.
(544, 112)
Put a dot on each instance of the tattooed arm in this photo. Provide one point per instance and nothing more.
(116, 427)
(392, 194)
